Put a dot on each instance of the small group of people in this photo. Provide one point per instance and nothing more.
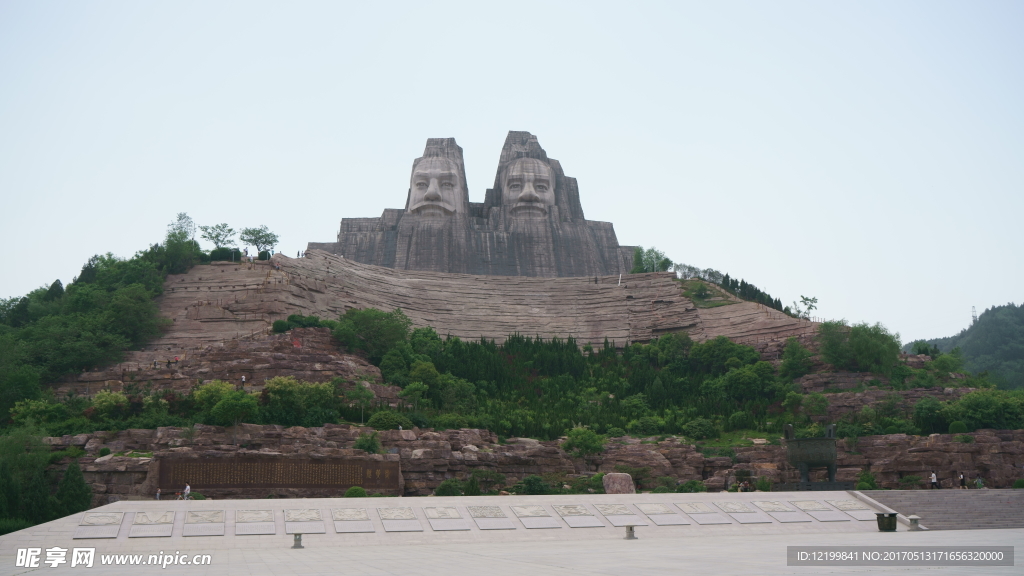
(183, 495)
(978, 482)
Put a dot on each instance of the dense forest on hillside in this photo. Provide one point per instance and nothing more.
(994, 344)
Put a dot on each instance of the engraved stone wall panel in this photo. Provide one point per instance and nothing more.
(855, 509)
(662, 515)
(399, 519)
(349, 520)
(578, 516)
(304, 528)
(205, 529)
(204, 516)
(102, 519)
(302, 515)
(255, 528)
(151, 531)
(490, 518)
(243, 516)
(334, 474)
(145, 518)
(96, 532)
(701, 513)
(535, 516)
(350, 514)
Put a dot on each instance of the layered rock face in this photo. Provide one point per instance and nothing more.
(427, 458)
(530, 224)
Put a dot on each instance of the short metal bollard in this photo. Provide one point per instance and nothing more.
(298, 541)
(630, 532)
(915, 522)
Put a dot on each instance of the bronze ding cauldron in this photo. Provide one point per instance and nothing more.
(807, 453)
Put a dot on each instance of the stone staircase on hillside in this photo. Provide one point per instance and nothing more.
(957, 509)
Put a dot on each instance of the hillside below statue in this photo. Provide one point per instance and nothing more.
(530, 223)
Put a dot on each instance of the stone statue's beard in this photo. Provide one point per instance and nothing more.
(433, 209)
(529, 210)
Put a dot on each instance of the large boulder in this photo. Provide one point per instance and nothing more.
(619, 483)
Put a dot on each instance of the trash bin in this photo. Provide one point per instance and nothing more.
(886, 521)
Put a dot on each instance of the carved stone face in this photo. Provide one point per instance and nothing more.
(435, 187)
(528, 188)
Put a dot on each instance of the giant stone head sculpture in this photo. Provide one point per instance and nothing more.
(437, 187)
(528, 188)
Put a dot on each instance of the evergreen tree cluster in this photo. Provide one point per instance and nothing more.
(750, 292)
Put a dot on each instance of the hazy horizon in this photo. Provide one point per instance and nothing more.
(868, 154)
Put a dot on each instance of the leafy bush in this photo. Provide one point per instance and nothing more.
(910, 482)
(741, 421)
(862, 347)
(225, 255)
(964, 439)
(1018, 483)
(197, 496)
(280, 326)
(471, 487)
(104, 451)
(661, 489)
(355, 492)
(700, 428)
(450, 421)
(368, 443)
(763, 484)
(388, 420)
(532, 485)
(868, 479)
(372, 331)
(449, 487)
(691, 486)
(957, 427)
(615, 432)
(646, 426)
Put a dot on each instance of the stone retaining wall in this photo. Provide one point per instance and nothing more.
(429, 457)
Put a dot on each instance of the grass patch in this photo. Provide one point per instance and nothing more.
(735, 438)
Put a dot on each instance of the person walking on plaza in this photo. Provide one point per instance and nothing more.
(157, 493)
(979, 482)
(963, 481)
(188, 490)
(935, 481)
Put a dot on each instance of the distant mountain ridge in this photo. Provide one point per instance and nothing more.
(995, 343)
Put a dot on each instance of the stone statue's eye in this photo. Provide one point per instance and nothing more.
(542, 187)
(448, 185)
(421, 184)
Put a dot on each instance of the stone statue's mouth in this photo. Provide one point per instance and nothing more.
(432, 210)
(529, 210)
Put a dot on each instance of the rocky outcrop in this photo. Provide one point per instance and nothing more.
(308, 354)
(428, 457)
(841, 404)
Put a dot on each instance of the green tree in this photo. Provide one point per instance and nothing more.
(73, 493)
(234, 407)
(262, 238)
(374, 331)
(414, 393)
(928, 415)
(796, 360)
(361, 396)
(650, 260)
(220, 235)
(582, 442)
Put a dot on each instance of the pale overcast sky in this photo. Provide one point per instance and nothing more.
(866, 153)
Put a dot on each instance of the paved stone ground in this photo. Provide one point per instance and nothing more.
(729, 548)
(957, 509)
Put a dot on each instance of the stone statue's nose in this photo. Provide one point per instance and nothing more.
(529, 194)
(433, 193)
